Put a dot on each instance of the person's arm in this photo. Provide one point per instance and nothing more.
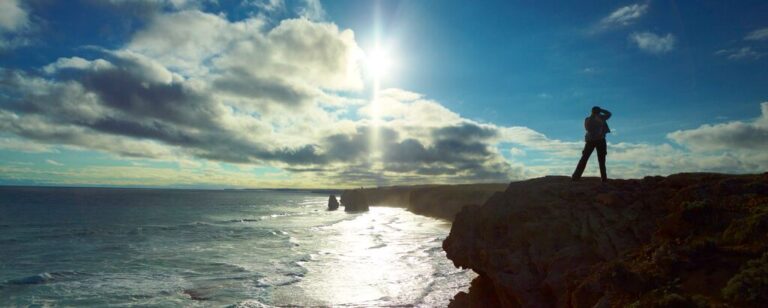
(586, 124)
(605, 114)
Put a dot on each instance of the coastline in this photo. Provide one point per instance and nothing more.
(436, 201)
(689, 239)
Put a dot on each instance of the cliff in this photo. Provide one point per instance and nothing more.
(439, 201)
(354, 200)
(687, 240)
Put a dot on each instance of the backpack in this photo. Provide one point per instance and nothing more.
(596, 128)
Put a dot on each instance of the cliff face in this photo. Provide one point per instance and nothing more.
(683, 240)
(440, 201)
(354, 200)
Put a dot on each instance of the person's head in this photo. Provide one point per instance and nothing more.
(595, 110)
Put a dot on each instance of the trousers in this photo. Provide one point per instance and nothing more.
(589, 146)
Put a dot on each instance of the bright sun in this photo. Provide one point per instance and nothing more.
(379, 63)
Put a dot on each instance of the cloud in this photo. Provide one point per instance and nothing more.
(297, 52)
(203, 91)
(623, 16)
(744, 53)
(653, 43)
(53, 162)
(185, 40)
(150, 7)
(76, 63)
(14, 23)
(731, 136)
(516, 152)
(12, 16)
(757, 35)
(267, 97)
(140, 175)
(268, 5)
(25, 146)
(312, 10)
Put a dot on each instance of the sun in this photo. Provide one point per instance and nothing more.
(379, 63)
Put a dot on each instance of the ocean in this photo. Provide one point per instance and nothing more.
(103, 247)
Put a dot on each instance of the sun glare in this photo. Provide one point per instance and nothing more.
(379, 63)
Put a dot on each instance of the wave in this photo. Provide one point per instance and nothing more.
(244, 220)
(382, 245)
(265, 217)
(251, 303)
(280, 281)
(45, 277)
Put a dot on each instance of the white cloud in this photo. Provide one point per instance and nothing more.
(204, 91)
(623, 16)
(12, 16)
(53, 162)
(747, 52)
(185, 40)
(174, 4)
(76, 63)
(757, 35)
(743, 53)
(14, 24)
(312, 10)
(268, 98)
(268, 5)
(296, 55)
(26, 146)
(653, 43)
(729, 136)
(516, 152)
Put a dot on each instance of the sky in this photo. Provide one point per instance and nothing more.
(311, 94)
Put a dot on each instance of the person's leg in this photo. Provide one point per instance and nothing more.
(588, 148)
(602, 151)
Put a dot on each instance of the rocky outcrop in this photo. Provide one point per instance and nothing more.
(439, 201)
(686, 240)
(354, 200)
(333, 204)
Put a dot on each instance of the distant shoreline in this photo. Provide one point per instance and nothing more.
(436, 201)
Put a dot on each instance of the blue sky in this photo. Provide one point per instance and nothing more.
(196, 93)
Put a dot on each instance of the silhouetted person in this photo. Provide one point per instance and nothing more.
(596, 127)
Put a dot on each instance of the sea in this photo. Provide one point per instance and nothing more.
(108, 247)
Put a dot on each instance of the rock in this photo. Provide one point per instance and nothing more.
(354, 200)
(333, 204)
(550, 242)
(438, 201)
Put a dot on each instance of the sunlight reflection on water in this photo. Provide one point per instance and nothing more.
(387, 256)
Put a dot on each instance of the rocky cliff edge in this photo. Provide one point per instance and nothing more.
(686, 240)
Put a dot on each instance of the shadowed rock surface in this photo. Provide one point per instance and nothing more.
(354, 200)
(439, 201)
(687, 240)
(333, 204)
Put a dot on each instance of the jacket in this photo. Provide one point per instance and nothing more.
(596, 127)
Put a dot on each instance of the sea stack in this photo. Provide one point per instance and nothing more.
(333, 204)
(354, 200)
